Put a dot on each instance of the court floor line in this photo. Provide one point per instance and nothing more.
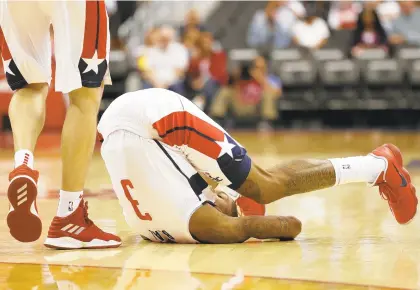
(330, 282)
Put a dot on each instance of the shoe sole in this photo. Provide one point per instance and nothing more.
(68, 243)
(398, 156)
(24, 225)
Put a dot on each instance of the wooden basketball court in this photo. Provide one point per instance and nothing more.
(350, 239)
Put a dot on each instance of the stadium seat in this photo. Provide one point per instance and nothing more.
(288, 54)
(413, 88)
(327, 54)
(340, 83)
(372, 54)
(238, 56)
(299, 85)
(384, 84)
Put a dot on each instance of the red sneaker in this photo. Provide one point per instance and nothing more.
(23, 220)
(77, 231)
(395, 184)
(248, 207)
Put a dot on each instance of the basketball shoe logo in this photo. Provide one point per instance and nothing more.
(403, 180)
(70, 208)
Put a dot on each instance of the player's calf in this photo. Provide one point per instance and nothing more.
(80, 121)
(298, 176)
(27, 115)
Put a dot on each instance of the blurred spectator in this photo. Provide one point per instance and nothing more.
(293, 5)
(254, 92)
(150, 43)
(369, 32)
(165, 64)
(406, 28)
(266, 30)
(111, 7)
(311, 32)
(388, 11)
(134, 81)
(207, 71)
(192, 22)
(190, 41)
(114, 24)
(343, 15)
(146, 15)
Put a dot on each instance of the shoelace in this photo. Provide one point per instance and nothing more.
(88, 221)
(388, 196)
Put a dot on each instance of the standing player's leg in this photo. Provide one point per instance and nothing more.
(27, 127)
(26, 54)
(82, 76)
(76, 153)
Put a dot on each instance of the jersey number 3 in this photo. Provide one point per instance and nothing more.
(127, 185)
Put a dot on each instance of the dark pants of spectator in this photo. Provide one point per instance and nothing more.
(228, 98)
(178, 87)
(208, 91)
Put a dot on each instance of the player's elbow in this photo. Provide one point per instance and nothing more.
(295, 226)
(208, 225)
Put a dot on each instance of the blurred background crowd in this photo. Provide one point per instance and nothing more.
(267, 64)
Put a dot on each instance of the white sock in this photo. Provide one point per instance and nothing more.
(358, 169)
(24, 156)
(68, 202)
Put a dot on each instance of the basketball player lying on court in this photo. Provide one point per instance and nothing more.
(160, 149)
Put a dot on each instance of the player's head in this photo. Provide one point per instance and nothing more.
(166, 36)
(225, 204)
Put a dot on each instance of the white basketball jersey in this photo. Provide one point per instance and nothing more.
(155, 143)
(137, 111)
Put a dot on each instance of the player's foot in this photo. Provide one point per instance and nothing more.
(23, 220)
(395, 184)
(248, 207)
(77, 231)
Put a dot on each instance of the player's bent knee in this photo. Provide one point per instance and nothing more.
(86, 100)
(39, 90)
(33, 98)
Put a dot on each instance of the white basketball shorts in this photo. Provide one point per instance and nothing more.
(81, 43)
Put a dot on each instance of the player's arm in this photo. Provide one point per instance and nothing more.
(209, 225)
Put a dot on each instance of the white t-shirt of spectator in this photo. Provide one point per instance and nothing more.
(287, 17)
(343, 18)
(310, 35)
(297, 8)
(165, 63)
(387, 12)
